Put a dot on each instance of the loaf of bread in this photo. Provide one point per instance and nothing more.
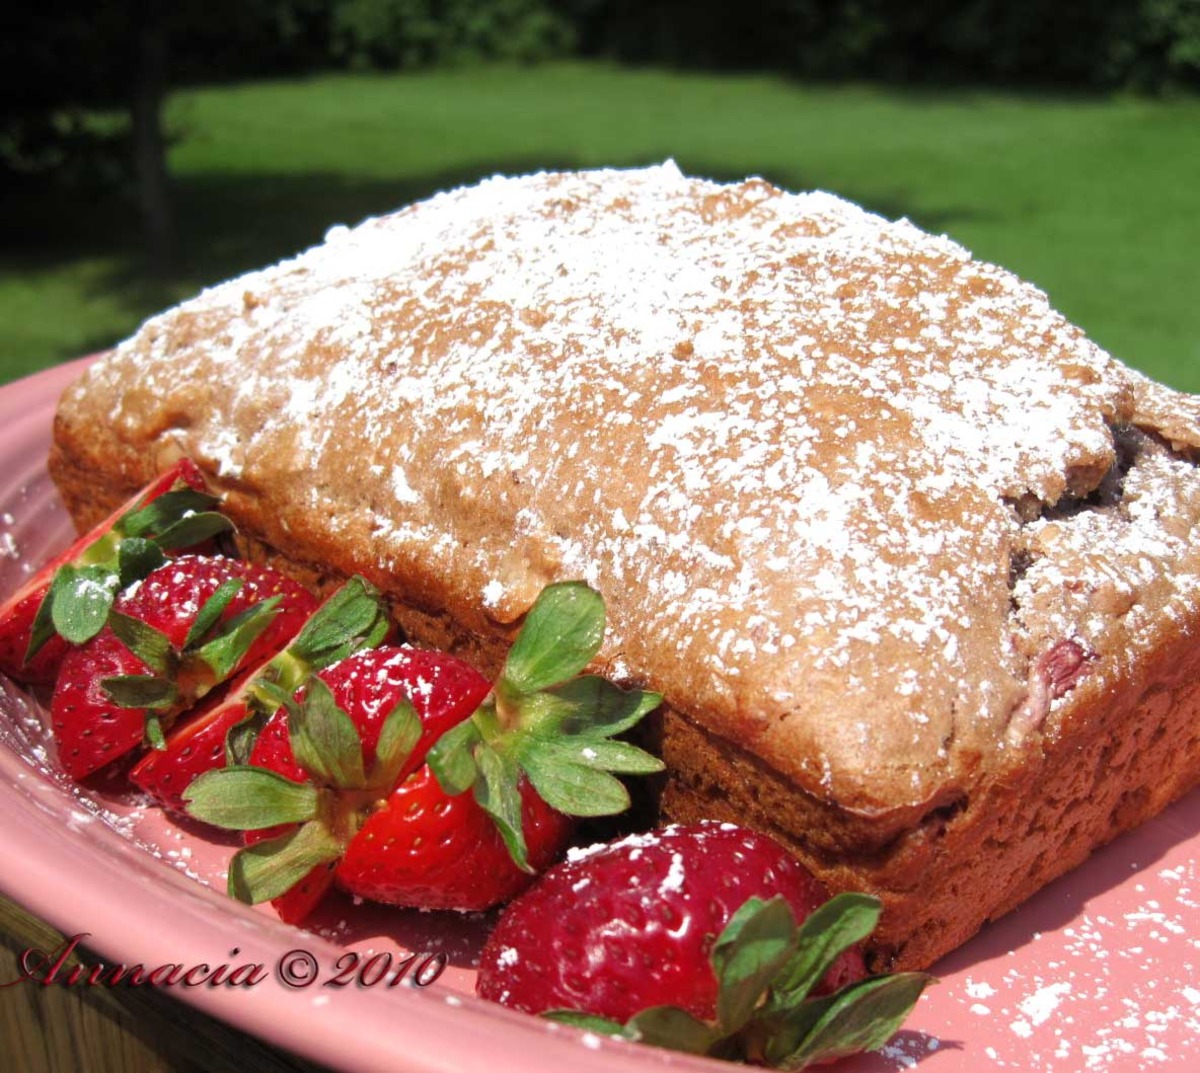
(914, 563)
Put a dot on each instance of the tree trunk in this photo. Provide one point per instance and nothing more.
(149, 140)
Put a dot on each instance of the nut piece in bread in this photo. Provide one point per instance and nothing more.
(913, 562)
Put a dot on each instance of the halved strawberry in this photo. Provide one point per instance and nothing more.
(707, 938)
(187, 627)
(194, 745)
(67, 600)
(344, 772)
(420, 846)
(352, 619)
(416, 846)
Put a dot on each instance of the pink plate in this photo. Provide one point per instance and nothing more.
(1098, 972)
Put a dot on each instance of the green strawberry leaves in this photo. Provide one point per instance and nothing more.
(270, 868)
(151, 646)
(325, 741)
(81, 593)
(181, 518)
(496, 792)
(351, 619)
(211, 652)
(561, 635)
(750, 952)
(250, 799)
(76, 605)
(137, 558)
(828, 930)
(574, 788)
(142, 691)
(594, 706)
(452, 757)
(224, 647)
(398, 737)
(766, 968)
(567, 748)
(545, 723)
(673, 1028)
(860, 1017)
(210, 614)
(154, 731)
(556, 731)
(572, 774)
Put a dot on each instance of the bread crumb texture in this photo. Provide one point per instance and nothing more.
(854, 499)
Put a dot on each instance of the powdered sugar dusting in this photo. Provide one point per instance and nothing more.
(673, 881)
(633, 842)
(793, 444)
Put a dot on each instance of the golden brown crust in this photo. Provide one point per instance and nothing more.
(974, 857)
(889, 534)
(941, 871)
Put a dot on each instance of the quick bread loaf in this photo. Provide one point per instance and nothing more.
(914, 563)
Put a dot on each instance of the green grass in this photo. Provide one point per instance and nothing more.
(1094, 199)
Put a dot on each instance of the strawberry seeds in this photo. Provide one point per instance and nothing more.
(403, 776)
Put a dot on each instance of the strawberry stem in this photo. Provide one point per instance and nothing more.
(289, 672)
(543, 723)
(103, 551)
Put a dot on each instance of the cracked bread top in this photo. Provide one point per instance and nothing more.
(847, 492)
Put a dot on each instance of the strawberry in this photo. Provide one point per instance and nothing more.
(430, 849)
(688, 938)
(415, 845)
(351, 619)
(187, 627)
(195, 744)
(67, 600)
(418, 846)
(670, 894)
(375, 758)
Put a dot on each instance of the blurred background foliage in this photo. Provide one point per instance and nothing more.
(1143, 44)
(151, 148)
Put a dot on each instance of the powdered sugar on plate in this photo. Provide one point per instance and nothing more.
(1111, 988)
(1120, 931)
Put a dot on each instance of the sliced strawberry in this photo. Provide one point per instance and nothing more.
(420, 846)
(169, 600)
(196, 744)
(442, 689)
(351, 619)
(708, 938)
(81, 582)
(186, 628)
(342, 776)
(89, 729)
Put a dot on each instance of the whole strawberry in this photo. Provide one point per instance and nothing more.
(708, 938)
(188, 626)
(416, 782)
(67, 601)
(629, 925)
